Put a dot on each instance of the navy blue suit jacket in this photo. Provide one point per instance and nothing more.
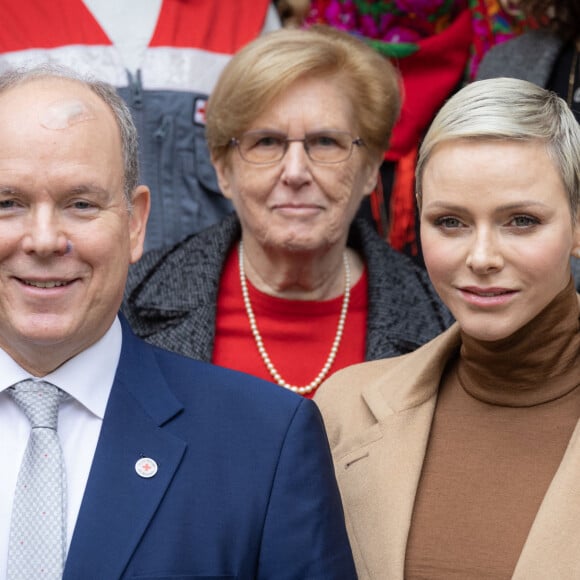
(245, 486)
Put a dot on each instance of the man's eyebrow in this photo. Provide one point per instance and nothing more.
(8, 190)
(86, 188)
(81, 189)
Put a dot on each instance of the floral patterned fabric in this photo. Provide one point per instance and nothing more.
(397, 27)
(491, 25)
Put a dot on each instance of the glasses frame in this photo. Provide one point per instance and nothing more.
(358, 141)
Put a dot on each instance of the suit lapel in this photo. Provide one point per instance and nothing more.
(118, 504)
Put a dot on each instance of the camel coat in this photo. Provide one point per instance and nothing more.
(378, 416)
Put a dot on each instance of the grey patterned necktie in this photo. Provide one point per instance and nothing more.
(37, 544)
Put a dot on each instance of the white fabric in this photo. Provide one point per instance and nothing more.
(129, 24)
(164, 68)
(272, 21)
(88, 379)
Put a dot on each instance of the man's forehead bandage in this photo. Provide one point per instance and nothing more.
(65, 113)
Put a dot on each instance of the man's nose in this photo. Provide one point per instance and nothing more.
(44, 233)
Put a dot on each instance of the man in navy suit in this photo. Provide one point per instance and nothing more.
(174, 468)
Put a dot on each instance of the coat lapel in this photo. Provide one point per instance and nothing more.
(379, 471)
(378, 482)
(118, 504)
(553, 545)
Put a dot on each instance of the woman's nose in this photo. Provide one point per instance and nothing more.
(484, 254)
(296, 165)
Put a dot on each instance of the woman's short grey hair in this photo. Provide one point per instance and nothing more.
(129, 141)
(506, 109)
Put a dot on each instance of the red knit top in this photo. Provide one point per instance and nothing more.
(297, 334)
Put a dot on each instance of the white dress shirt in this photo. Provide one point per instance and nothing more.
(87, 378)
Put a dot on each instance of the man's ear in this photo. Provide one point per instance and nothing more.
(222, 170)
(141, 204)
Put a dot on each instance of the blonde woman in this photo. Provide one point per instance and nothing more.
(460, 460)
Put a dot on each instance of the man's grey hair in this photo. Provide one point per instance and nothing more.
(129, 140)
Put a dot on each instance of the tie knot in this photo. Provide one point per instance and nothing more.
(39, 401)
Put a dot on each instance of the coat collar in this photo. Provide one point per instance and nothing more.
(169, 282)
(412, 379)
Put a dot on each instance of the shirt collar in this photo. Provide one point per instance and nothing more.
(87, 377)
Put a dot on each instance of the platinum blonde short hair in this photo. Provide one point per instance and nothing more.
(269, 65)
(506, 109)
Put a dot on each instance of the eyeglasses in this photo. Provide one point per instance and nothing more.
(266, 147)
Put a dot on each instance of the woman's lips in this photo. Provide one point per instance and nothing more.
(297, 210)
(487, 296)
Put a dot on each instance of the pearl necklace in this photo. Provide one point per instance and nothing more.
(260, 343)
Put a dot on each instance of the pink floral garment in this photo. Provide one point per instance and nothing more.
(396, 27)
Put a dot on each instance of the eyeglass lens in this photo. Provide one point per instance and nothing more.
(269, 147)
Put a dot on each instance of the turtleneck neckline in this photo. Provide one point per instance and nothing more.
(536, 364)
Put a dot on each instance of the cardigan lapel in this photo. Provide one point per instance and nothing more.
(118, 504)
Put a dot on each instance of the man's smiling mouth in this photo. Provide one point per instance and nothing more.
(46, 284)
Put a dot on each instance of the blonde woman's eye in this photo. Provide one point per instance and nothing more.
(448, 222)
(524, 221)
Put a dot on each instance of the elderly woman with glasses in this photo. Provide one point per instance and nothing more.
(292, 287)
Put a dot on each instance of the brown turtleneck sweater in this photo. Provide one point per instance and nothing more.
(505, 413)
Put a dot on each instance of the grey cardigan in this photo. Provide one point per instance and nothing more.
(531, 57)
(171, 295)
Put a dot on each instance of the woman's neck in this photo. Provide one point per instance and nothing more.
(536, 364)
(300, 276)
